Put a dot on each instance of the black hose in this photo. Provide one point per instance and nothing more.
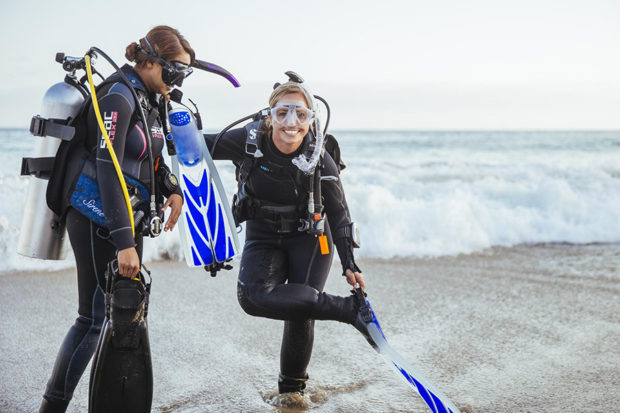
(254, 116)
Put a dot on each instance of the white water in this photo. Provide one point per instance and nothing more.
(417, 194)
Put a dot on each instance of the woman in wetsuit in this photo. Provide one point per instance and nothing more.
(161, 59)
(284, 269)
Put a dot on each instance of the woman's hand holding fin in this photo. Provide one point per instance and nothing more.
(355, 278)
(128, 262)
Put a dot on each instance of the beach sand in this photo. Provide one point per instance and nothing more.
(521, 329)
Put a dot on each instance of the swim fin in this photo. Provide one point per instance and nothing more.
(208, 230)
(121, 378)
(367, 323)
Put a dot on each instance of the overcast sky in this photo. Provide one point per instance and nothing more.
(381, 64)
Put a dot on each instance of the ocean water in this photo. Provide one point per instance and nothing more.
(425, 194)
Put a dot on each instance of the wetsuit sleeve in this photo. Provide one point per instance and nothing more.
(160, 174)
(230, 146)
(337, 212)
(116, 108)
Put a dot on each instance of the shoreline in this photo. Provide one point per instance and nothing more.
(514, 329)
(396, 259)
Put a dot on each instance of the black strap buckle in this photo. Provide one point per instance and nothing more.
(39, 167)
(218, 266)
(37, 125)
(56, 128)
(364, 308)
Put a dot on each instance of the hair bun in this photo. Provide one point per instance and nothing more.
(131, 52)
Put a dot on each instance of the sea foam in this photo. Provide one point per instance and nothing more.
(426, 194)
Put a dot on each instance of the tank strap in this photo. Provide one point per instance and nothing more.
(39, 167)
(56, 128)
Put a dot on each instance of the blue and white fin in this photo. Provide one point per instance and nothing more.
(208, 231)
(436, 401)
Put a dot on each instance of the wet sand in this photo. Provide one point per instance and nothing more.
(522, 329)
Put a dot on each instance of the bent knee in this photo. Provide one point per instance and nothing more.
(245, 301)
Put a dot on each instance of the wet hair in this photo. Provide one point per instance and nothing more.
(166, 42)
(285, 89)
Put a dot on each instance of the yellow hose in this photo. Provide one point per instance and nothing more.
(117, 167)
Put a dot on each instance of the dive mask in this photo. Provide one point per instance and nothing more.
(173, 73)
(291, 114)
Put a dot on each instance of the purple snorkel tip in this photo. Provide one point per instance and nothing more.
(218, 70)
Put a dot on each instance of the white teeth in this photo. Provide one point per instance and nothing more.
(291, 132)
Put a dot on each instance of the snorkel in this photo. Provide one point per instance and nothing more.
(315, 222)
(304, 164)
(218, 70)
(287, 112)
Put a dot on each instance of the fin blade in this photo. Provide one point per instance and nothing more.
(207, 220)
(436, 401)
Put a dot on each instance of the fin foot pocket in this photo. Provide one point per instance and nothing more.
(121, 376)
(364, 316)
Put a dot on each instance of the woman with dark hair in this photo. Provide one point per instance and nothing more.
(162, 59)
(286, 258)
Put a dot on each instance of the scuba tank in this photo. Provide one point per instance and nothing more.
(43, 234)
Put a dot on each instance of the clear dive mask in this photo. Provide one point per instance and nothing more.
(291, 115)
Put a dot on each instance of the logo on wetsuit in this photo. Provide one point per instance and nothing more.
(109, 122)
(157, 132)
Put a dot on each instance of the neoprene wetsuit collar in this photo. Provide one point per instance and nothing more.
(134, 78)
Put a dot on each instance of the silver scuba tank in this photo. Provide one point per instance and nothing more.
(43, 235)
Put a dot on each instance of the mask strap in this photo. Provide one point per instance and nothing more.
(150, 50)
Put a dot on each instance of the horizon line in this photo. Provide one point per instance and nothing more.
(210, 130)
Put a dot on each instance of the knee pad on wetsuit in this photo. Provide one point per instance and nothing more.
(243, 296)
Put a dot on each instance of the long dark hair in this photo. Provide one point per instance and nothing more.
(166, 42)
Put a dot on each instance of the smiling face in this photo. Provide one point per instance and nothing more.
(288, 136)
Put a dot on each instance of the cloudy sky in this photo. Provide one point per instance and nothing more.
(381, 64)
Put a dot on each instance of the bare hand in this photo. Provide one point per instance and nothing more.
(355, 278)
(128, 262)
(175, 202)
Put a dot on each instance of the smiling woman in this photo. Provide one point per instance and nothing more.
(294, 217)
(290, 117)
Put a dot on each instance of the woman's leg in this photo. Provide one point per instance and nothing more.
(265, 266)
(92, 253)
(298, 336)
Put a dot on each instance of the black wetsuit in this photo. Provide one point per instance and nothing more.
(95, 246)
(282, 274)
